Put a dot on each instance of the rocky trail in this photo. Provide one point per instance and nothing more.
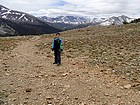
(28, 77)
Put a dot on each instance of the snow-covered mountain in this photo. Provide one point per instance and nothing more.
(115, 20)
(17, 16)
(20, 23)
(81, 20)
(66, 19)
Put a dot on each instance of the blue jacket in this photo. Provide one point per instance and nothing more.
(57, 44)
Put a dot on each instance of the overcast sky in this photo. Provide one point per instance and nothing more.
(89, 8)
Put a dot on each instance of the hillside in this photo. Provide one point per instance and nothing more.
(100, 66)
(23, 28)
(14, 23)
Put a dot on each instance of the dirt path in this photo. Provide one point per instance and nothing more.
(28, 77)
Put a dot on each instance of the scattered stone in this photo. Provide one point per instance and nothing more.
(106, 94)
(49, 102)
(14, 99)
(53, 75)
(76, 98)
(121, 87)
(35, 98)
(65, 74)
(7, 66)
(11, 83)
(13, 91)
(27, 98)
(37, 52)
(90, 88)
(25, 102)
(49, 98)
(5, 69)
(82, 103)
(127, 86)
(28, 89)
(119, 95)
(7, 74)
(39, 93)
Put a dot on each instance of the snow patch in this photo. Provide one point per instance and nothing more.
(22, 16)
(3, 9)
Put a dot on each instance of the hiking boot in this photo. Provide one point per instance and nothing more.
(58, 64)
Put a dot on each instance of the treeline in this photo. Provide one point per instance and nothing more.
(135, 21)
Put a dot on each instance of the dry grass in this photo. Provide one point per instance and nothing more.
(113, 47)
(7, 44)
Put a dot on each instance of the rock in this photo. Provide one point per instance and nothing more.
(14, 99)
(76, 98)
(49, 98)
(35, 98)
(7, 74)
(90, 88)
(119, 95)
(39, 93)
(25, 102)
(82, 103)
(65, 74)
(28, 89)
(27, 98)
(127, 86)
(49, 102)
(106, 94)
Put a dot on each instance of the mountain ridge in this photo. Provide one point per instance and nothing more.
(72, 22)
(82, 20)
(22, 23)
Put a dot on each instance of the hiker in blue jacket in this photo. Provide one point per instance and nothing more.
(57, 47)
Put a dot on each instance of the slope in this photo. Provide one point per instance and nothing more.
(29, 77)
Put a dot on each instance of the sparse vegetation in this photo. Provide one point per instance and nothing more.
(99, 65)
(114, 47)
(136, 21)
(7, 44)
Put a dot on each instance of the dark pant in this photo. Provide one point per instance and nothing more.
(57, 55)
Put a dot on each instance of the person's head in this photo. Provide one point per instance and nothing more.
(57, 35)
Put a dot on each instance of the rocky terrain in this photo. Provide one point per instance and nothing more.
(100, 66)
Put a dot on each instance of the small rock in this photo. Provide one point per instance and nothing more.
(106, 94)
(28, 89)
(7, 66)
(11, 83)
(25, 102)
(121, 87)
(65, 74)
(27, 98)
(90, 88)
(53, 75)
(39, 93)
(49, 98)
(35, 98)
(119, 96)
(14, 99)
(108, 86)
(7, 74)
(76, 98)
(127, 86)
(49, 102)
(82, 103)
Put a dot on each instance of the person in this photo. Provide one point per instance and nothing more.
(57, 47)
